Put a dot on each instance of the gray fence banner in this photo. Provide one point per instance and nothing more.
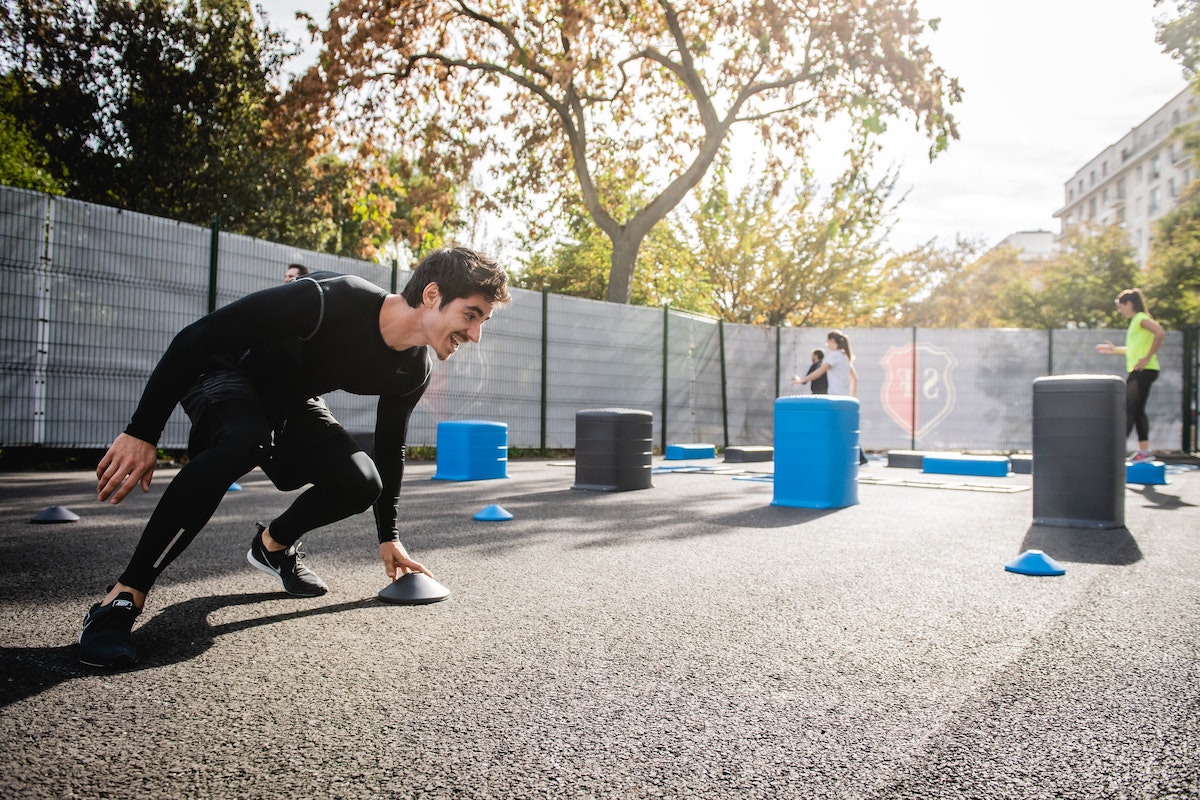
(91, 296)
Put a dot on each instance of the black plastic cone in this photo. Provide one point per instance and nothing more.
(56, 514)
(413, 589)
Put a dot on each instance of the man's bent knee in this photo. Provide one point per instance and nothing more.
(362, 484)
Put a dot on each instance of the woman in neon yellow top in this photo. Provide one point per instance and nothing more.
(1142, 340)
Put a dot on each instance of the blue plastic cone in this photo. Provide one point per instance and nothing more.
(55, 514)
(493, 513)
(1035, 562)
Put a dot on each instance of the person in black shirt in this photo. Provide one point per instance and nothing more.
(250, 376)
(820, 384)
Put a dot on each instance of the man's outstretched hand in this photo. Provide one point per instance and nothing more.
(129, 462)
(397, 562)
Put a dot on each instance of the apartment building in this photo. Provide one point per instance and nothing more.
(1031, 245)
(1136, 180)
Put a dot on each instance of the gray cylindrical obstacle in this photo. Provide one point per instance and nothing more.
(613, 449)
(816, 451)
(1079, 451)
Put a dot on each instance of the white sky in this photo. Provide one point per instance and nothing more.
(1047, 84)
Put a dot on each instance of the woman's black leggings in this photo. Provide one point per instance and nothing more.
(1137, 392)
(229, 438)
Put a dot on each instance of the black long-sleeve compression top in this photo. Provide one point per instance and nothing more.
(296, 341)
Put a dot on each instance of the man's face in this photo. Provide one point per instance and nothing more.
(459, 322)
(291, 275)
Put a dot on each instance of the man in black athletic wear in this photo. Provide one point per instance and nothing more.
(250, 376)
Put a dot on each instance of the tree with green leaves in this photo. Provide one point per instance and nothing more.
(1078, 287)
(594, 96)
(179, 108)
(813, 259)
(23, 162)
(577, 264)
(1172, 282)
(1173, 270)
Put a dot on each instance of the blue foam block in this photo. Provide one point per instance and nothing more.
(992, 466)
(1146, 472)
(675, 452)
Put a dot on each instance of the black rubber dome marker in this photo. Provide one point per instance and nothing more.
(413, 589)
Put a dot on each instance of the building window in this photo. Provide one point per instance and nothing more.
(1121, 189)
(1155, 167)
(1155, 200)
(1172, 192)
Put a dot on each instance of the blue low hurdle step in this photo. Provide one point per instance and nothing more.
(991, 466)
(1149, 473)
(1022, 464)
(677, 452)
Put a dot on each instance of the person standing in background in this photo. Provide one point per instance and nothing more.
(820, 385)
(294, 271)
(1143, 337)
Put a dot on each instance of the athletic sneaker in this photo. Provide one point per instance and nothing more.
(1141, 455)
(288, 566)
(106, 639)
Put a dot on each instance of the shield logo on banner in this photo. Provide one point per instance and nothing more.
(918, 391)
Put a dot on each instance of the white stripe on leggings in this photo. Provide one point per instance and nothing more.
(158, 563)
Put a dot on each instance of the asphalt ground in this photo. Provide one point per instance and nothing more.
(685, 641)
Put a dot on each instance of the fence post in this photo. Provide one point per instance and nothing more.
(778, 364)
(1050, 351)
(724, 393)
(1191, 388)
(41, 355)
(545, 361)
(912, 429)
(213, 247)
(665, 357)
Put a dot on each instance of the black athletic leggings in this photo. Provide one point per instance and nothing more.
(1137, 392)
(229, 438)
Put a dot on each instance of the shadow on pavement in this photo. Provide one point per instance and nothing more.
(1115, 547)
(1157, 499)
(176, 633)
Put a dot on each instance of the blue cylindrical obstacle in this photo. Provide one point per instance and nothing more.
(614, 449)
(471, 450)
(1079, 451)
(816, 451)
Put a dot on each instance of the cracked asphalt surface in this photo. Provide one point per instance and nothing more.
(685, 641)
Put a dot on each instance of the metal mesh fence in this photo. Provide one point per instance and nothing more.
(91, 296)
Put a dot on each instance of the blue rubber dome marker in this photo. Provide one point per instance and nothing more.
(1035, 562)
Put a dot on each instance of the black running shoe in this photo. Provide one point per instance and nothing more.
(288, 566)
(106, 639)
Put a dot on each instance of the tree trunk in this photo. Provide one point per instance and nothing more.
(624, 258)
